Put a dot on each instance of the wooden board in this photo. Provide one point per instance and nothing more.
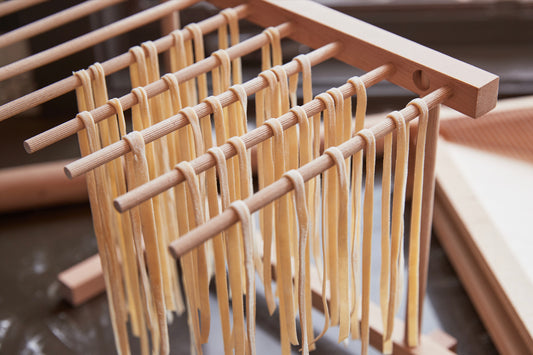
(481, 221)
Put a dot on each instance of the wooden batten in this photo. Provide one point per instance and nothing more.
(418, 68)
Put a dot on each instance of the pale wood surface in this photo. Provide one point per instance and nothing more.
(39, 185)
(473, 221)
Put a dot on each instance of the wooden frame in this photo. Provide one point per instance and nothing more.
(414, 67)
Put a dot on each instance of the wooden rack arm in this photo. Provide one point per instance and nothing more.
(366, 47)
(74, 125)
(110, 66)
(8, 7)
(54, 21)
(251, 139)
(274, 191)
(171, 124)
(90, 39)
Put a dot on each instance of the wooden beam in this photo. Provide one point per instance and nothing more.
(418, 68)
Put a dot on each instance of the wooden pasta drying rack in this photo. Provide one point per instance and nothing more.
(434, 76)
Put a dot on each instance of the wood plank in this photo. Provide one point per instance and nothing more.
(490, 273)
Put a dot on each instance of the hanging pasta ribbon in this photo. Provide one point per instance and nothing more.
(244, 215)
(342, 242)
(149, 231)
(269, 60)
(305, 157)
(89, 142)
(266, 177)
(142, 118)
(281, 106)
(115, 180)
(200, 335)
(222, 74)
(413, 329)
(303, 219)
(196, 33)
(146, 312)
(370, 140)
(201, 251)
(232, 20)
(400, 179)
(283, 257)
(330, 211)
(219, 251)
(355, 232)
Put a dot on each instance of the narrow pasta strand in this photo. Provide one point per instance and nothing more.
(330, 206)
(115, 178)
(199, 217)
(89, 141)
(283, 265)
(305, 157)
(397, 215)
(342, 221)
(136, 142)
(357, 177)
(233, 23)
(367, 234)
(266, 177)
(416, 213)
(244, 215)
(219, 253)
(303, 219)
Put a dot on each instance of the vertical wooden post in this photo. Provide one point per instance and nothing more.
(428, 193)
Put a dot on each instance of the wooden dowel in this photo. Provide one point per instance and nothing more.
(90, 39)
(251, 139)
(274, 191)
(54, 21)
(8, 7)
(110, 66)
(74, 125)
(174, 123)
(38, 185)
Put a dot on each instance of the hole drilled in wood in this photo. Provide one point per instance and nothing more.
(421, 80)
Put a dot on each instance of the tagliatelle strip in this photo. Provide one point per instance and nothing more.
(219, 253)
(271, 59)
(305, 135)
(233, 23)
(283, 253)
(355, 231)
(303, 252)
(89, 141)
(367, 234)
(244, 215)
(148, 313)
(330, 211)
(416, 215)
(166, 222)
(342, 242)
(400, 179)
(136, 142)
(121, 223)
(265, 177)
